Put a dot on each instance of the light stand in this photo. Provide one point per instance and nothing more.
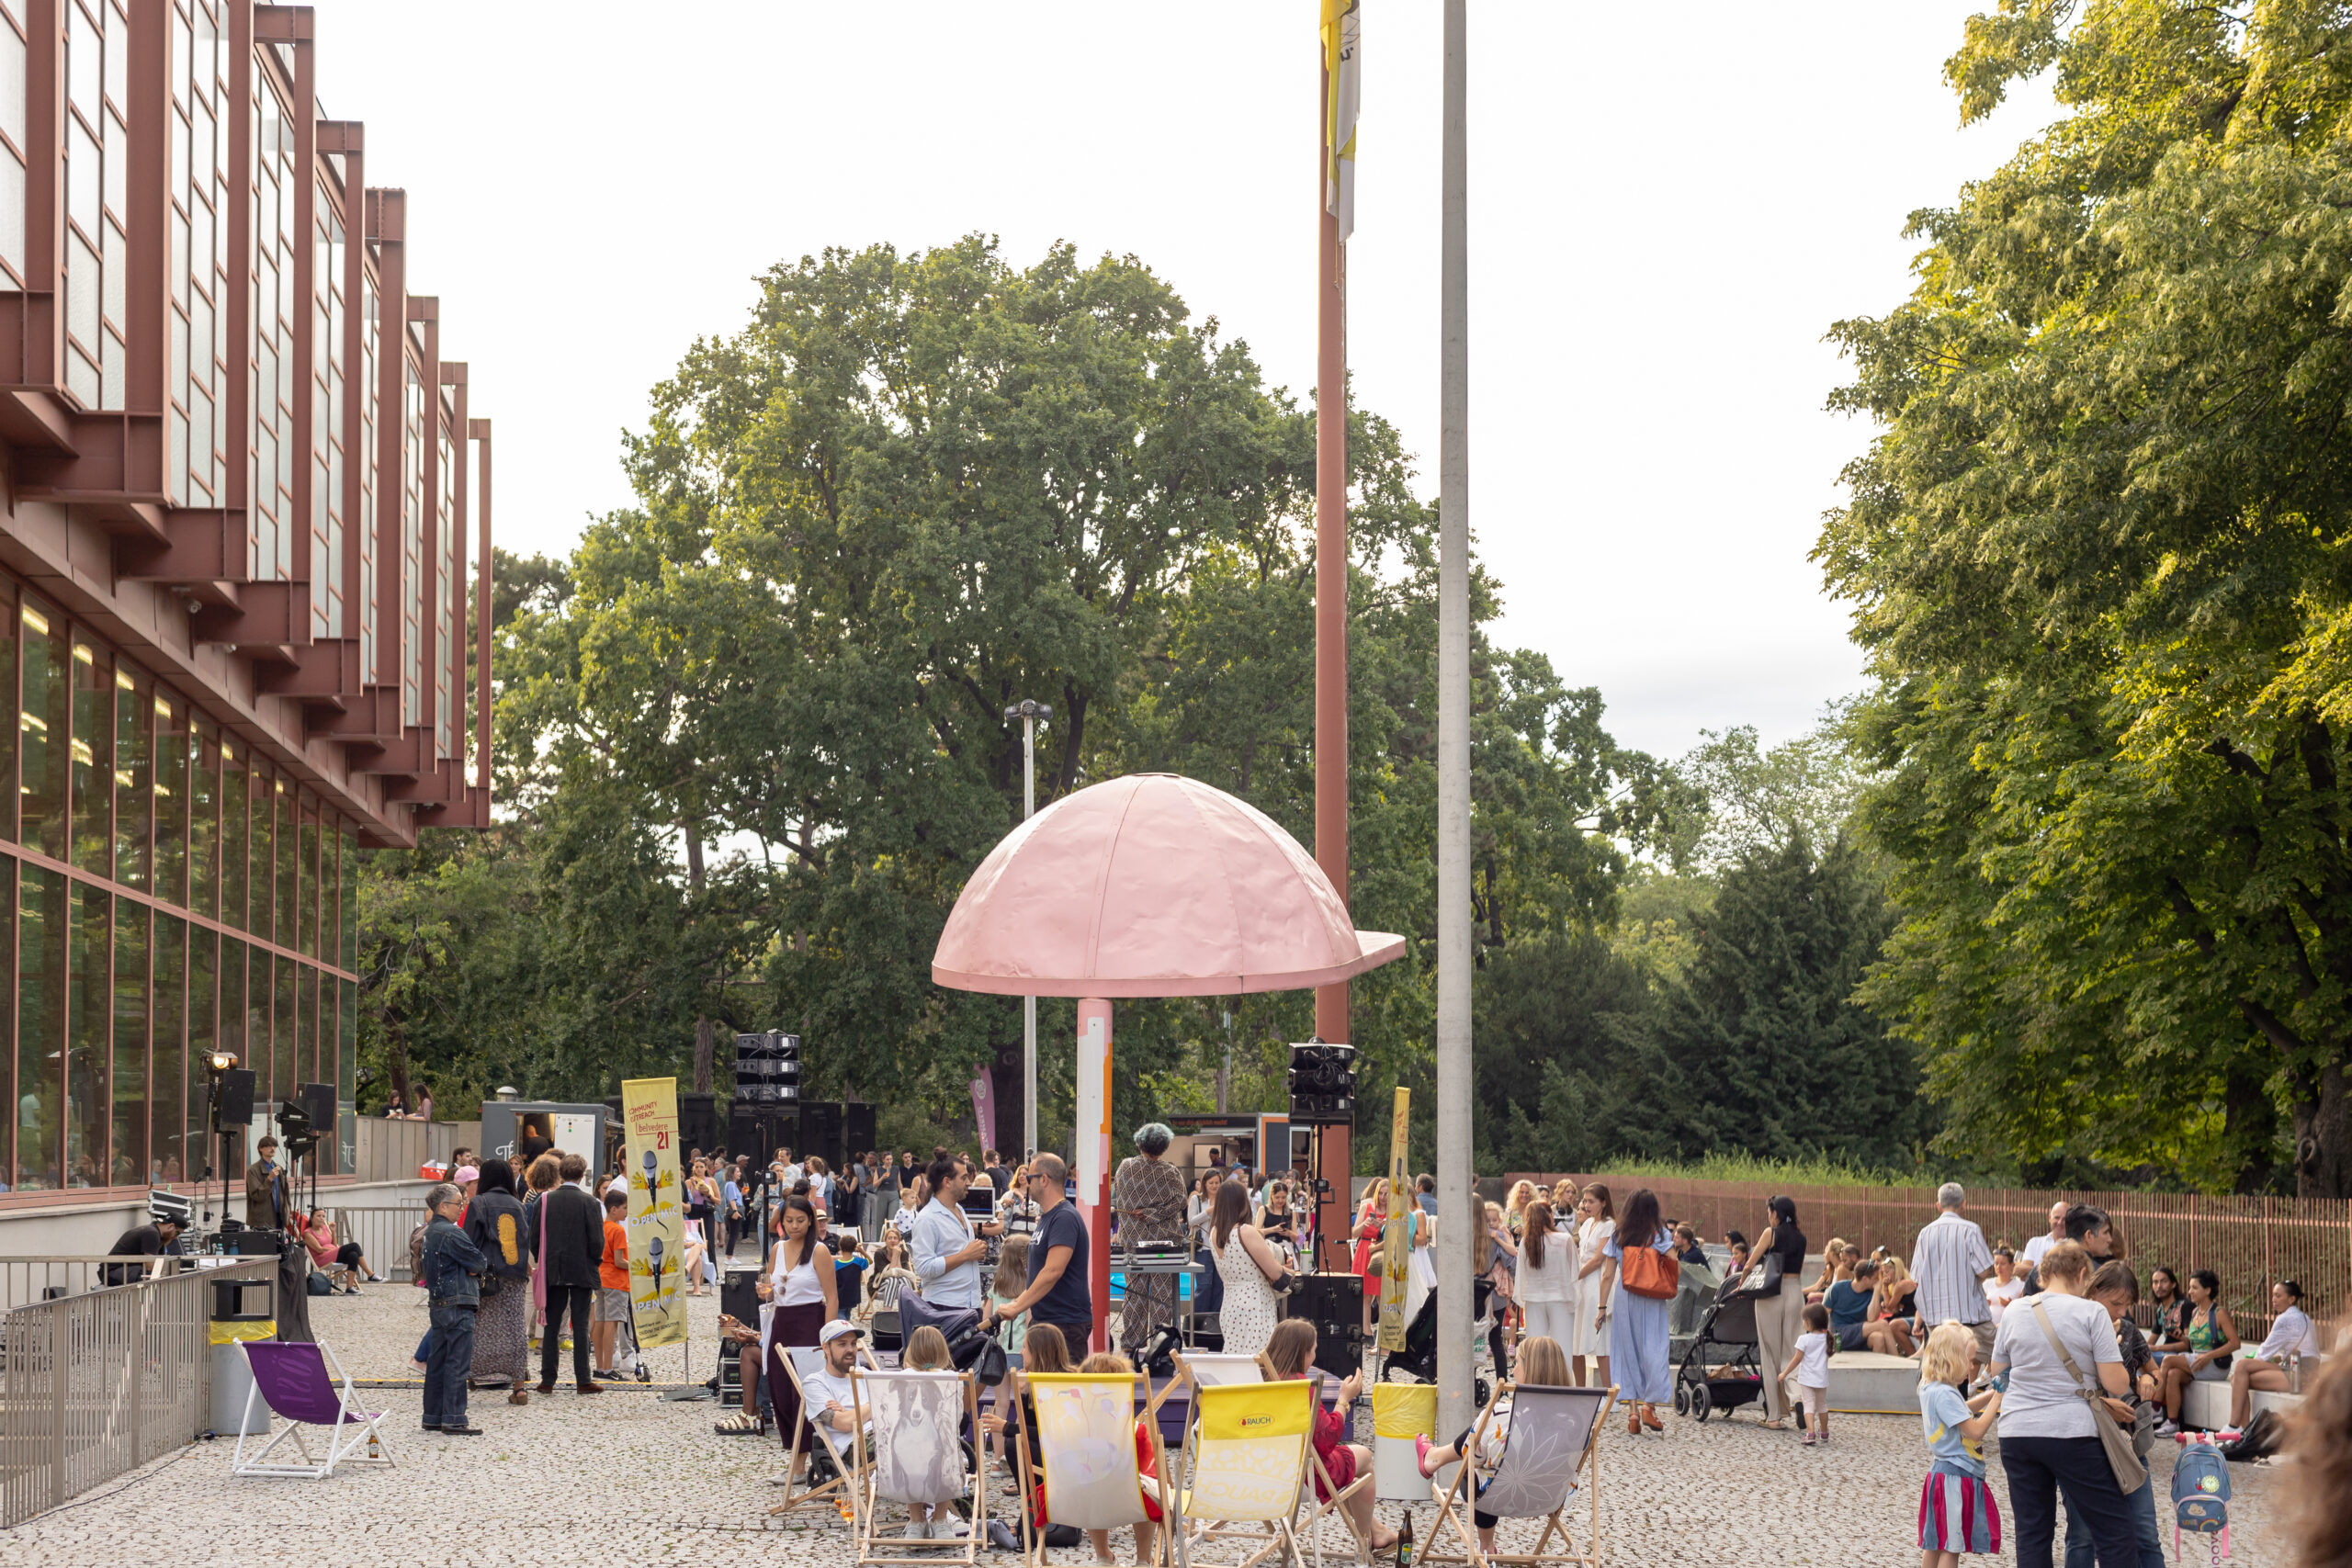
(215, 1065)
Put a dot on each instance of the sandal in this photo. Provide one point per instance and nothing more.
(742, 1422)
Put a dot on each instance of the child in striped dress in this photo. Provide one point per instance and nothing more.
(1956, 1510)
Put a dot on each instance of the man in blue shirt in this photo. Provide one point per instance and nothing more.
(1057, 1291)
(947, 1255)
(1849, 1307)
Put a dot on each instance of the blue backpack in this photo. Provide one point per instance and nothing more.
(2200, 1494)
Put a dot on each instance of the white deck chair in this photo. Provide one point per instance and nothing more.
(303, 1384)
(917, 1419)
(799, 1362)
(1086, 1444)
(1245, 1465)
(1554, 1434)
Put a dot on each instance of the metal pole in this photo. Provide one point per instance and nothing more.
(1455, 1239)
(1028, 1004)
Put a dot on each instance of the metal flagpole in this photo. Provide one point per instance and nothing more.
(1454, 1237)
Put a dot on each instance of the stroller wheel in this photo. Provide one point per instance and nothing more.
(1702, 1401)
(644, 1372)
(1682, 1399)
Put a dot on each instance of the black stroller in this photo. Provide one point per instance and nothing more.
(1722, 1370)
(1417, 1359)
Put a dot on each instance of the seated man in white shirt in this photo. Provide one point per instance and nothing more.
(826, 1394)
(2291, 1334)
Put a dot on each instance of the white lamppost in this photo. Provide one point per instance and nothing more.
(1030, 714)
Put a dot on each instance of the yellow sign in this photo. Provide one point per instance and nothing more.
(657, 1223)
(1396, 1242)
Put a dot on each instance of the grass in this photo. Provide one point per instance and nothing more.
(1813, 1170)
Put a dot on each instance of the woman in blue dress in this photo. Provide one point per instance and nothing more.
(1636, 1325)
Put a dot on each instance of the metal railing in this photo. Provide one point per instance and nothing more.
(97, 1383)
(381, 1230)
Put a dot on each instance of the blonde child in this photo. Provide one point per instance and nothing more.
(1956, 1509)
(1012, 1278)
(926, 1351)
(1147, 1529)
(1810, 1366)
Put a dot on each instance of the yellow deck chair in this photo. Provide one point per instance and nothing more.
(1244, 1468)
(917, 1419)
(1554, 1437)
(1085, 1443)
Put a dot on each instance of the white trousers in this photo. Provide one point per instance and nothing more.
(1550, 1318)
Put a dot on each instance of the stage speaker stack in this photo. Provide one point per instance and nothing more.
(767, 1069)
(1334, 1303)
(1322, 1085)
(236, 1098)
(858, 1131)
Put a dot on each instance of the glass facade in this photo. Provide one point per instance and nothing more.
(166, 896)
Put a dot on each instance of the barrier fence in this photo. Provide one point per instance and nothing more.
(2249, 1241)
(381, 1231)
(95, 1383)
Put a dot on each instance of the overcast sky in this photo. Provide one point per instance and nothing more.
(1669, 205)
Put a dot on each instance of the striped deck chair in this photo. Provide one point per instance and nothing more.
(1086, 1445)
(1244, 1470)
(917, 1420)
(1553, 1433)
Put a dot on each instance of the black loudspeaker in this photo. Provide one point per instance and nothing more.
(821, 1126)
(858, 1131)
(756, 1131)
(1334, 1303)
(236, 1096)
(697, 1123)
(318, 1099)
(739, 1295)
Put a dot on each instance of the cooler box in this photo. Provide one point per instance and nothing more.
(1400, 1412)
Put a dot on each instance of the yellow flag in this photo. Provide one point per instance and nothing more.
(1397, 1241)
(1342, 91)
(657, 1222)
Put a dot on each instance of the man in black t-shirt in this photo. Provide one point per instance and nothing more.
(1000, 1173)
(1058, 1292)
(152, 1240)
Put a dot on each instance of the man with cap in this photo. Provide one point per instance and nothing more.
(825, 1393)
(265, 1189)
(153, 1240)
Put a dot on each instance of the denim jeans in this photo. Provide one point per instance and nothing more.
(446, 1369)
(2143, 1520)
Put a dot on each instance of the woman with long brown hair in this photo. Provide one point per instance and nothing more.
(1595, 1222)
(1248, 1264)
(1291, 1354)
(1546, 1275)
(1638, 1324)
(799, 1280)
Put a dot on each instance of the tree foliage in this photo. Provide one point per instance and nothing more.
(2098, 556)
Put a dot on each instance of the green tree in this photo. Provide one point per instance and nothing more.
(2097, 556)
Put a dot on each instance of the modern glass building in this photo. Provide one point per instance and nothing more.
(241, 491)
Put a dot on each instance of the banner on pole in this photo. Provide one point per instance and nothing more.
(1397, 1246)
(657, 1223)
(1342, 94)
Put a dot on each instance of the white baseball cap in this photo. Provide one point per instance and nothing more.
(835, 1329)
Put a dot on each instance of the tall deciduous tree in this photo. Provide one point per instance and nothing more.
(2098, 556)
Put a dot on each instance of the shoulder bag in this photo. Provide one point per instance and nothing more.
(2130, 1473)
(1649, 1273)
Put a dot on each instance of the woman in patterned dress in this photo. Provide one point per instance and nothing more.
(502, 1327)
(1147, 1194)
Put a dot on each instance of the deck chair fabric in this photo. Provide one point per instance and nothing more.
(1205, 1368)
(1087, 1474)
(1245, 1465)
(799, 1362)
(304, 1385)
(917, 1459)
(1329, 1499)
(1550, 1437)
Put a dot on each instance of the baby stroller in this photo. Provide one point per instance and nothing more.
(1417, 1359)
(1721, 1370)
(968, 1343)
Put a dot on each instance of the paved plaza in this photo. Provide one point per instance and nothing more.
(628, 1479)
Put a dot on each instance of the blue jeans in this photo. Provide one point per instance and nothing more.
(2041, 1470)
(1210, 1285)
(2143, 1520)
(447, 1367)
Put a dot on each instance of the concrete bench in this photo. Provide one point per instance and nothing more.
(1865, 1382)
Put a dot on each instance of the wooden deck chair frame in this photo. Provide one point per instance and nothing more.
(1033, 1544)
(1455, 1498)
(1272, 1537)
(1317, 1509)
(865, 1503)
(829, 1493)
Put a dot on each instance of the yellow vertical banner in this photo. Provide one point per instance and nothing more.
(1397, 1244)
(657, 1223)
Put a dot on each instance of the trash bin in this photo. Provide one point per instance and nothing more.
(1400, 1412)
(233, 1318)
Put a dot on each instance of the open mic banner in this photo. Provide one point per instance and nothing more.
(1397, 1244)
(657, 1220)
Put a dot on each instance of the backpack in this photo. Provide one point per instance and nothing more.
(1651, 1273)
(2200, 1494)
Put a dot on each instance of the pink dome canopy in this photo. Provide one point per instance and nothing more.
(1152, 885)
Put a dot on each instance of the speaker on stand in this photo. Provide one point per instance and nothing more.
(1334, 1303)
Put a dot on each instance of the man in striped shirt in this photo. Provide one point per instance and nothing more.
(1950, 1264)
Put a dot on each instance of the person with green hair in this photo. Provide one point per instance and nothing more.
(1148, 1198)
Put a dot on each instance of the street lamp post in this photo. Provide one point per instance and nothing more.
(1030, 714)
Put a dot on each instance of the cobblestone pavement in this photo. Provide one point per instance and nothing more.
(628, 1479)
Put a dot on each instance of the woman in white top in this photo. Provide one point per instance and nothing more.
(1547, 1286)
(1246, 1262)
(799, 1282)
(2291, 1334)
(1595, 1225)
(2004, 1286)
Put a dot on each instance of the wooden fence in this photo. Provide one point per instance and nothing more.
(2249, 1241)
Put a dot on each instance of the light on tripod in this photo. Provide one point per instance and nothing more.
(219, 1061)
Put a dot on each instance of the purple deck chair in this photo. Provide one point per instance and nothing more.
(304, 1385)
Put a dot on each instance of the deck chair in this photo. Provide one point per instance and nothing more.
(1553, 1435)
(1085, 1443)
(1244, 1470)
(917, 1419)
(1319, 1506)
(304, 1385)
(828, 1484)
(1207, 1367)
